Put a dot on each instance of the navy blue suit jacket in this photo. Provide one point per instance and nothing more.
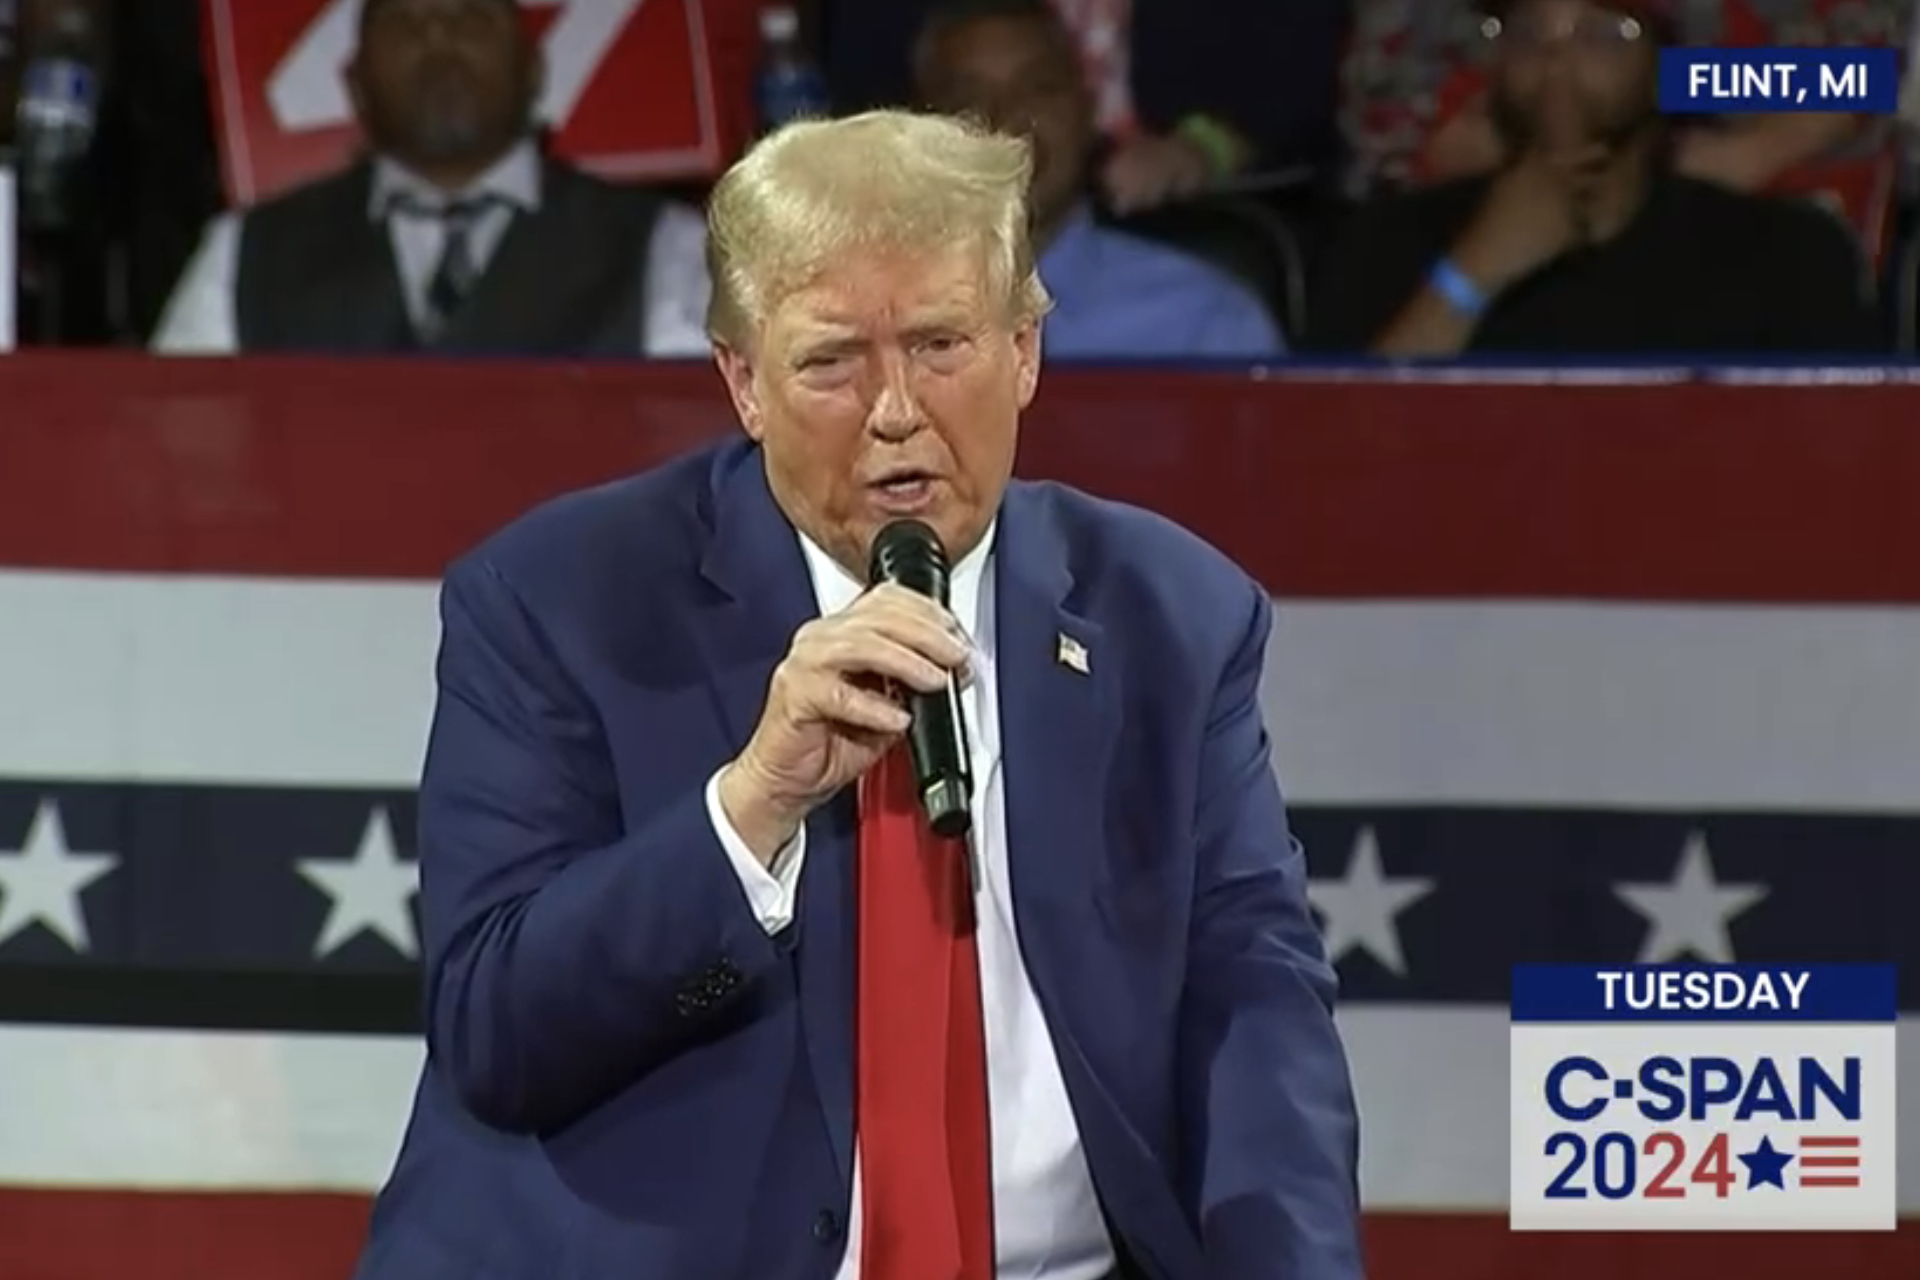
(627, 1077)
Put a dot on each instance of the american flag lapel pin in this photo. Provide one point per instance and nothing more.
(1071, 654)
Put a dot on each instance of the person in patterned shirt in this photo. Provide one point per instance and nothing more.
(1414, 101)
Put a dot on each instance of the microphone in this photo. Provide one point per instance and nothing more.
(908, 553)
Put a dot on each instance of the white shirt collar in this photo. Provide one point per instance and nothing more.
(834, 588)
(514, 179)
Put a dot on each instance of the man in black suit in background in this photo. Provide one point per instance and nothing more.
(456, 234)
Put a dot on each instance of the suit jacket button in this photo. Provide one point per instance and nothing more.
(826, 1227)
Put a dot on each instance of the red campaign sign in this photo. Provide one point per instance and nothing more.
(629, 93)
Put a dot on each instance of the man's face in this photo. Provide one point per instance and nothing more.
(1570, 73)
(443, 81)
(1021, 77)
(890, 386)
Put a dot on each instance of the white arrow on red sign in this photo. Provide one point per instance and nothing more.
(307, 92)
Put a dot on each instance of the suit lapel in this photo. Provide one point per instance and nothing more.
(526, 288)
(828, 950)
(1057, 701)
(356, 287)
(510, 297)
(755, 560)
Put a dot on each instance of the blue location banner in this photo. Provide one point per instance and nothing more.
(1860, 81)
(1848, 993)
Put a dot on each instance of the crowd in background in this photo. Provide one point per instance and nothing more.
(1214, 179)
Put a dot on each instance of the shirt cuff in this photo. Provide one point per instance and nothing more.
(770, 891)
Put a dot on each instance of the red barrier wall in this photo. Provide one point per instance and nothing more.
(1321, 488)
(68, 1236)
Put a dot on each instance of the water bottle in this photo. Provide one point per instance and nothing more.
(58, 111)
(789, 86)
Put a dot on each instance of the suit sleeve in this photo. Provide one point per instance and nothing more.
(570, 948)
(1274, 1150)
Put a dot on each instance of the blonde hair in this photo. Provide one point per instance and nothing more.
(883, 180)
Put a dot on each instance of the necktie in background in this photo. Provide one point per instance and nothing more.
(454, 279)
(921, 1079)
(458, 272)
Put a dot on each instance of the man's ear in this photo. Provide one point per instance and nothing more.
(736, 370)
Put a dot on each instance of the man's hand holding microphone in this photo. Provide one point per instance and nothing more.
(830, 714)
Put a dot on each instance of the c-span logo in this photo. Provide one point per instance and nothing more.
(1858, 81)
(1703, 1098)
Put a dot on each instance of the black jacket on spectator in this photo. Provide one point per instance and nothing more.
(316, 274)
(1701, 271)
(1270, 68)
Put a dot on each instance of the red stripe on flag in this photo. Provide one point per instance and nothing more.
(76, 1235)
(134, 1235)
(1831, 1143)
(388, 469)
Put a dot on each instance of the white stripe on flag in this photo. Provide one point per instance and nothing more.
(211, 680)
(199, 1110)
(151, 1110)
(125, 678)
(1656, 707)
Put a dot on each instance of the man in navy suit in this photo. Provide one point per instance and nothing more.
(675, 906)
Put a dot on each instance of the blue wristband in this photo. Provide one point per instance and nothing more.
(1451, 283)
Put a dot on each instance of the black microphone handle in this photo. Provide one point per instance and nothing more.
(938, 740)
(908, 553)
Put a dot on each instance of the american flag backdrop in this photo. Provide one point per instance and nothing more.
(1561, 672)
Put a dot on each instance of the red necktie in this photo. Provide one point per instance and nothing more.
(925, 1170)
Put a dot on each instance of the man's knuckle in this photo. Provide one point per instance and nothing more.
(806, 643)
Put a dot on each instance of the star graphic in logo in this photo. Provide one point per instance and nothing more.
(1689, 915)
(1766, 1166)
(1362, 908)
(372, 892)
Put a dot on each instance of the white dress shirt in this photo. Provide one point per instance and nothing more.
(1047, 1220)
(200, 320)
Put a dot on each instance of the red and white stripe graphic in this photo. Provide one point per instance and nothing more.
(1830, 1162)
